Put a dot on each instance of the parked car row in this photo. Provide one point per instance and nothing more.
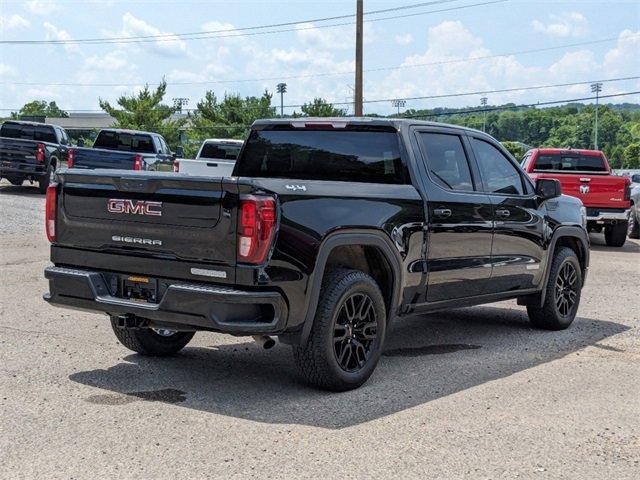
(32, 151)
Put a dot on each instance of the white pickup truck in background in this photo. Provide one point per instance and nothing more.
(216, 158)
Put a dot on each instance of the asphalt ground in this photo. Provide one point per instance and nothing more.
(471, 393)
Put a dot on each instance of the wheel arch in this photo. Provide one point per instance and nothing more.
(350, 248)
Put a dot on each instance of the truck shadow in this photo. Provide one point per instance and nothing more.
(426, 358)
(25, 190)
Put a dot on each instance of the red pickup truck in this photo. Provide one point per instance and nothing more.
(586, 174)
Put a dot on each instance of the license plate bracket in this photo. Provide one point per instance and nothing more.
(140, 289)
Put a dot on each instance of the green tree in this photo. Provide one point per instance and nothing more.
(321, 108)
(40, 108)
(145, 111)
(631, 156)
(516, 149)
(229, 118)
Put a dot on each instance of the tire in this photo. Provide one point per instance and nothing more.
(45, 179)
(555, 314)
(616, 235)
(146, 341)
(345, 342)
(633, 230)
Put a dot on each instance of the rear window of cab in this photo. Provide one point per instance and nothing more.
(569, 162)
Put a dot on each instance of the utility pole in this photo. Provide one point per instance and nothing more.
(281, 89)
(596, 88)
(358, 95)
(483, 102)
(398, 104)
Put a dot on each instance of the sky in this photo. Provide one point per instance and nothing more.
(423, 53)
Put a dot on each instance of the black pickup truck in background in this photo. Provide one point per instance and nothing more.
(328, 230)
(31, 151)
(124, 150)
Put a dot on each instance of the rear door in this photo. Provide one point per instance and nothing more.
(459, 216)
(156, 215)
(517, 250)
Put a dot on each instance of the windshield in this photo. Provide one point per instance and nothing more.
(337, 155)
(124, 141)
(560, 162)
(220, 152)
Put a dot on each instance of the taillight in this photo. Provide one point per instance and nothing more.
(137, 162)
(50, 211)
(627, 190)
(176, 166)
(256, 228)
(40, 152)
(70, 157)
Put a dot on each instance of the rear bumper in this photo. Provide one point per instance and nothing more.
(21, 169)
(193, 306)
(607, 215)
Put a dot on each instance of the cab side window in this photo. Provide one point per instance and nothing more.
(446, 161)
(499, 175)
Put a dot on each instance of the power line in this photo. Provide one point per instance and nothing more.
(238, 32)
(512, 107)
(427, 97)
(325, 74)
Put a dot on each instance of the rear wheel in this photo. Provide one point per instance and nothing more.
(616, 235)
(153, 342)
(348, 332)
(562, 295)
(46, 179)
(633, 229)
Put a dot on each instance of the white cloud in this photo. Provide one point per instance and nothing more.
(112, 61)
(7, 70)
(41, 7)
(13, 21)
(568, 24)
(624, 57)
(170, 45)
(55, 33)
(404, 39)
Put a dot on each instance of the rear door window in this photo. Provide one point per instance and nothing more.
(499, 175)
(447, 161)
(342, 155)
(219, 151)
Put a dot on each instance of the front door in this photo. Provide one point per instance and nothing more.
(460, 224)
(517, 250)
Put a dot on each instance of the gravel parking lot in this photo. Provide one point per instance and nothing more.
(470, 393)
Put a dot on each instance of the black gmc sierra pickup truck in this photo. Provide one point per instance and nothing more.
(328, 230)
(31, 151)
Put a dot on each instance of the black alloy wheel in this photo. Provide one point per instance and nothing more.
(566, 289)
(355, 332)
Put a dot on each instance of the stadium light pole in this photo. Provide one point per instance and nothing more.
(281, 89)
(596, 88)
(398, 104)
(483, 102)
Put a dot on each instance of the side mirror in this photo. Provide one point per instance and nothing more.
(547, 188)
(81, 142)
(179, 152)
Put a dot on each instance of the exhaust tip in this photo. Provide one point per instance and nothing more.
(264, 341)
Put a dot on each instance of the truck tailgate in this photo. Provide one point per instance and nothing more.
(15, 153)
(100, 158)
(605, 191)
(148, 214)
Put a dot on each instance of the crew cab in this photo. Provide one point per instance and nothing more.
(216, 158)
(328, 230)
(31, 151)
(585, 174)
(124, 150)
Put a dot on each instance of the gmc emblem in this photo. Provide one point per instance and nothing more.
(134, 207)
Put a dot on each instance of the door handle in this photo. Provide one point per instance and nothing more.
(503, 213)
(442, 212)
